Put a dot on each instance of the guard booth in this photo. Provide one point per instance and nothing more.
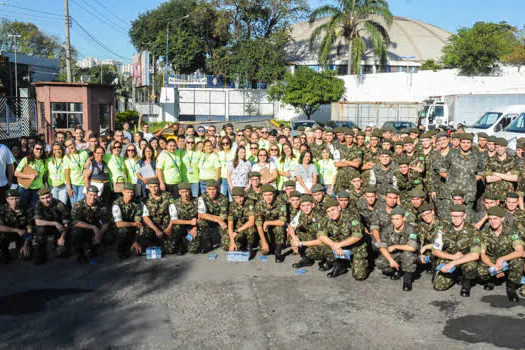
(62, 106)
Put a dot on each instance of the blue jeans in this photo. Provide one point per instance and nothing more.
(195, 190)
(60, 193)
(78, 194)
(28, 198)
(225, 189)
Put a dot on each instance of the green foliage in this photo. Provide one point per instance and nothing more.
(431, 65)
(516, 57)
(307, 89)
(478, 50)
(129, 116)
(353, 20)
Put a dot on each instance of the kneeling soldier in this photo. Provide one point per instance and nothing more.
(127, 215)
(303, 233)
(213, 211)
(14, 226)
(241, 223)
(270, 220)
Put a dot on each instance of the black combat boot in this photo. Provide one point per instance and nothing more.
(396, 275)
(407, 282)
(305, 261)
(489, 286)
(325, 265)
(465, 288)
(279, 258)
(511, 292)
(338, 270)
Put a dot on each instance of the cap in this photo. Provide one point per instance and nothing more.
(408, 140)
(317, 188)
(238, 191)
(466, 136)
(417, 192)
(458, 193)
(129, 187)
(387, 141)
(331, 202)
(306, 198)
(289, 183)
(457, 208)
(343, 194)
(492, 138)
(92, 188)
(403, 160)
(12, 193)
(392, 190)
(424, 207)
(301, 128)
(369, 189)
(397, 211)
(442, 134)
(353, 174)
(339, 129)
(361, 133)
(349, 132)
(184, 186)
(398, 143)
(426, 135)
(491, 196)
(482, 135)
(500, 141)
(254, 174)
(267, 188)
(513, 195)
(43, 191)
(212, 183)
(496, 211)
(295, 194)
(413, 130)
(153, 181)
(377, 133)
(385, 152)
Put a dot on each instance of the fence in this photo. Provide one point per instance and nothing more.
(17, 117)
(364, 113)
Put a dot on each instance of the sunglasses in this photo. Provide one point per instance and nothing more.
(264, 132)
(273, 149)
(190, 142)
(200, 130)
(39, 149)
(225, 143)
(240, 135)
(131, 150)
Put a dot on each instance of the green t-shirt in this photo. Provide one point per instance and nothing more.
(131, 170)
(117, 172)
(170, 165)
(327, 170)
(75, 163)
(190, 166)
(208, 165)
(288, 165)
(37, 165)
(55, 169)
(225, 159)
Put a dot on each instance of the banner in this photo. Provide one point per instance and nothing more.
(140, 63)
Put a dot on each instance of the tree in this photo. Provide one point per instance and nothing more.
(353, 20)
(516, 57)
(307, 89)
(478, 50)
(431, 65)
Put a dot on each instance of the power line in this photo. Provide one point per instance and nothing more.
(98, 42)
(113, 13)
(26, 9)
(96, 16)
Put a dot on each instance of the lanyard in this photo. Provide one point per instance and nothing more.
(173, 160)
(204, 159)
(119, 164)
(76, 160)
(57, 167)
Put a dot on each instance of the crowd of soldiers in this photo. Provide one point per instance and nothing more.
(402, 201)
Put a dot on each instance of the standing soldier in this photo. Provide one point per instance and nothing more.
(398, 246)
(270, 220)
(456, 245)
(241, 224)
(371, 154)
(351, 158)
(439, 194)
(127, 215)
(502, 171)
(501, 245)
(15, 223)
(382, 174)
(90, 223)
(356, 191)
(51, 218)
(213, 216)
(406, 180)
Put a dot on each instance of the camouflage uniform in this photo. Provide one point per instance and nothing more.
(494, 165)
(381, 218)
(239, 215)
(317, 150)
(339, 230)
(427, 233)
(211, 233)
(370, 156)
(343, 177)
(382, 178)
(418, 161)
(90, 215)
(254, 196)
(355, 196)
(405, 184)
(451, 241)
(20, 219)
(496, 247)
(429, 175)
(187, 211)
(131, 212)
(158, 211)
(56, 211)
(320, 208)
(404, 258)
(366, 213)
(438, 185)
(276, 235)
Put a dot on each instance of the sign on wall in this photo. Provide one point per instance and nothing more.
(141, 69)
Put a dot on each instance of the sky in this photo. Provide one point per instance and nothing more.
(107, 21)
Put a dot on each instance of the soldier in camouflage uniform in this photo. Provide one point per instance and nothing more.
(87, 215)
(456, 245)
(15, 222)
(399, 246)
(428, 225)
(241, 223)
(499, 244)
(127, 215)
(303, 233)
(318, 193)
(417, 198)
(502, 171)
(293, 205)
(417, 160)
(318, 145)
(398, 152)
(513, 212)
(213, 216)
(438, 190)
(288, 187)
(366, 206)
(158, 214)
(355, 191)
(343, 198)
(382, 174)
(186, 233)
(254, 191)
(406, 181)
(51, 218)
(270, 221)
(371, 154)
(340, 231)
(458, 198)
(427, 153)
(351, 158)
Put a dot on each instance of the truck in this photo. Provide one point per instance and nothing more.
(450, 110)
(514, 131)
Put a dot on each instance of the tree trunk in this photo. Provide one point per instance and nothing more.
(349, 71)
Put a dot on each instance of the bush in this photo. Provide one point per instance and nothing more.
(131, 117)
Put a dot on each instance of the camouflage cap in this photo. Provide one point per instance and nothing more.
(12, 193)
(306, 198)
(370, 189)
(339, 130)
(513, 195)
(254, 174)
(492, 138)
(424, 208)
(464, 136)
(387, 141)
(398, 143)
(44, 191)
(317, 188)
(383, 151)
(403, 160)
(343, 194)
(496, 211)
(361, 133)
(353, 174)
(377, 133)
(295, 194)
(417, 193)
(349, 132)
(212, 183)
(426, 135)
(521, 145)
(129, 187)
(414, 130)
(93, 189)
(397, 211)
(184, 186)
(457, 208)
(408, 140)
(267, 188)
(289, 183)
(458, 193)
(500, 141)
(482, 135)
(441, 135)
(392, 190)
(238, 192)
(490, 196)
(153, 181)
(331, 202)
(388, 128)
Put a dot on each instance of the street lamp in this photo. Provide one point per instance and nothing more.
(167, 41)
(16, 36)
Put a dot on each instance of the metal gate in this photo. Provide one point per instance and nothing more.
(364, 113)
(17, 117)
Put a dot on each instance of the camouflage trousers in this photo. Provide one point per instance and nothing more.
(41, 234)
(242, 240)
(276, 235)
(405, 259)
(359, 259)
(125, 239)
(443, 281)
(5, 240)
(442, 205)
(513, 274)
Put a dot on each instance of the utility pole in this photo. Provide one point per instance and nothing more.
(68, 43)
(15, 36)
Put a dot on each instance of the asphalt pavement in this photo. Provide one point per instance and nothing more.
(191, 302)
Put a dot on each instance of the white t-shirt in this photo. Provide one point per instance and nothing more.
(6, 158)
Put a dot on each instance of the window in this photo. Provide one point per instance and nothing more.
(105, 116)
(66, 115)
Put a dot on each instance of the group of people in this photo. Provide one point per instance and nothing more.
(404, 201)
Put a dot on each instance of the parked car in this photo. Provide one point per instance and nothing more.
(496, 120)
(400, 125)
(514, 131)
(294, 124)
(344, 124)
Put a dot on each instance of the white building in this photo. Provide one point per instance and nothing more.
(126, 69)
(88, 62)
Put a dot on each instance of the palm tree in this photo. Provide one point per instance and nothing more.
(353, 20)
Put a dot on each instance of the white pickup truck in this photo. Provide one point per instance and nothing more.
(514, 131)
(496, 119)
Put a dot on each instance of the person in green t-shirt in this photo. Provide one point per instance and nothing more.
(35, 160)
(209, 166)
(226, 155)
(74, 171)
(327, 171)
(115, 163)
(190, 165)
(56, 177)
(169, 166)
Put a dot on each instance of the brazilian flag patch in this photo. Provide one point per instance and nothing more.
(412, 236)
(421, 158)
(355, 222)
(514, 237)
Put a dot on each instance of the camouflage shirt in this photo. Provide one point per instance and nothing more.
(161, 210)
(131, 212)
(56, 211)
(305, 226)
(451, 241)
(269, 212)
(381, 218)
(382, 178)
(90, 215)
(339, 230)
(462, 170)
(427, 232)
(495, 165)
(502, 245)
(408, 236)
(15, 218)
(217, 207)
(239, 215)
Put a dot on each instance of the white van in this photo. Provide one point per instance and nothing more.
(496, 120)
(514, 131)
